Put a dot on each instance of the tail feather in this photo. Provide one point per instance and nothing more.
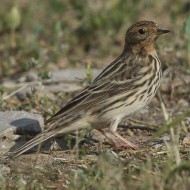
(32, 143)
(43, 136)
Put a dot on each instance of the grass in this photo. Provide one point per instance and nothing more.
(155, 170)
(88, 34)
(187, 34)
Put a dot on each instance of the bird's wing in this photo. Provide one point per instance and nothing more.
(116, 78)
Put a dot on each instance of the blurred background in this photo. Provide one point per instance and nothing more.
(40, 37)
(54, 34)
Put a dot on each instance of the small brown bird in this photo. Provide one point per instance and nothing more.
(124, 87)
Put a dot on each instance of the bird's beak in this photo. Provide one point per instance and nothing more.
(161, 31)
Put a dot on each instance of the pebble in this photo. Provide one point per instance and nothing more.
(20, 123)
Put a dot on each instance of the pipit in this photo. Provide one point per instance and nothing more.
(124, 87)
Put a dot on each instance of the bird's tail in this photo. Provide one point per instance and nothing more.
(30, 144)
(42, 137)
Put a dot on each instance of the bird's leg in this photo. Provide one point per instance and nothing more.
(113, 127)
(128, 143)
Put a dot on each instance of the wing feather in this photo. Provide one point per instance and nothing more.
(115, 78)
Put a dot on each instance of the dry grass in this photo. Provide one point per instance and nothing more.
(89, 35)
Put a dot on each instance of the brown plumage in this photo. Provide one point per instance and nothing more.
(124, 87)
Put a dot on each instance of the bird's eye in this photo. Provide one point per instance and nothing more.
(141, 31)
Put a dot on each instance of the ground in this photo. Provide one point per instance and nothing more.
(89, 35)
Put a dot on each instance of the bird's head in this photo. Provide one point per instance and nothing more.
(143, 34)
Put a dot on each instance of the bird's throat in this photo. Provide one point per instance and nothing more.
(143, 50)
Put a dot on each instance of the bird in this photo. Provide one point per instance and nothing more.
(123, 88)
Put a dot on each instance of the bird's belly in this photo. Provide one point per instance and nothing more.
(125, 111)
(129, 107)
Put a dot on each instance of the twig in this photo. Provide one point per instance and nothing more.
(143, 123)
(27, 84)
(138, 127)
(43, 82)
(21, 88)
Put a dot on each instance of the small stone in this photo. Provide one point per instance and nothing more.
(20, 123)
(183, 103)
(31, 77)
(186, 141)
(13, 124)
(4, 169)
(156, 146)
(95, 134)
(187, 122)
(21, 96)
(166, 138)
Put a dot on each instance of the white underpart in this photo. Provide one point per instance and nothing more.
(116, 115)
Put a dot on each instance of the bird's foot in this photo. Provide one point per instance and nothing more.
(124, 146)
(123, 143)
